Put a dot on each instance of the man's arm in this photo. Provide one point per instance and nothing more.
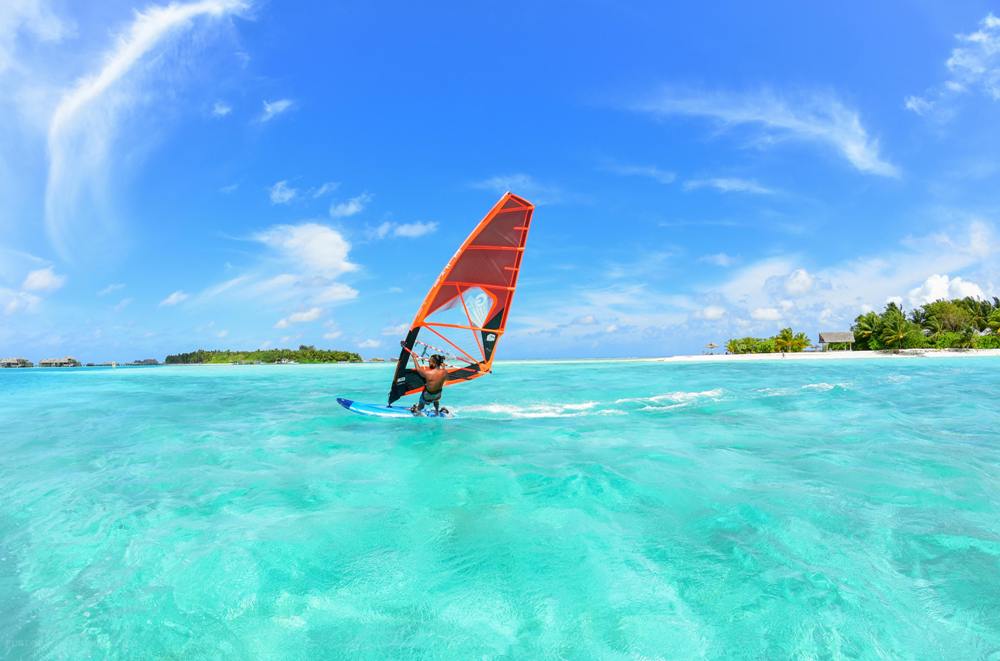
(416, 359)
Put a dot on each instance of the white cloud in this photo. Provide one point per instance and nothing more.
(274, 108)
(351, 207)
(302, 266)
(648, 171)
(728, 185)
(222, 334)
(405, 230)
(400, 329)
(85, 122)
(221, 109)
(766, 314)
(332, 335)
(44, 279)
(230, 188)
(305, 316)
(798, 282)
(335, 293)
(369, 344)
(326, 189)
(111, 288)
(27, 17)
(122, 304)
(937, 287)
(977, 62)
(524, 185)
(719, 259)
(842, 290)
(174, 298)
(282, 193)
(712, 312)
(13, 302)
(973, 66)
(316, 247)
(816, 118)
(917, 104)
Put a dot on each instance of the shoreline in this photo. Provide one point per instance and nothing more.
(806, 356)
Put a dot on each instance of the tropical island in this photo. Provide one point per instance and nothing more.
(961, 323)
(304, 354)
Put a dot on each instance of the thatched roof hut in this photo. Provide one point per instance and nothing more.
(826, 338)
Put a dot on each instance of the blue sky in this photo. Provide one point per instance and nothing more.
(232, 173)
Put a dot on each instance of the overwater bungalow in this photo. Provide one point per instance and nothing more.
(59, 362)
(15, 362)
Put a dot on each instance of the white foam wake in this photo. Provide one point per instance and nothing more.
(679, 397)
(534, 410)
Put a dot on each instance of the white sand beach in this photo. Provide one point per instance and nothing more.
(905, 354)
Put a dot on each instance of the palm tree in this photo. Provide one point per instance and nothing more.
(994, 321)
(866, 328)
(895, 329)
(783, 340)
(800, 342)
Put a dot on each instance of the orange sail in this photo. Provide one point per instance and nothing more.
(464, 314)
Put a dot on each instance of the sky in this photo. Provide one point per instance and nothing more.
(250, 174)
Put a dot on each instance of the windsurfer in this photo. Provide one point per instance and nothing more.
(434, 376)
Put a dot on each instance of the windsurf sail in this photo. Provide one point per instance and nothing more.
(464, 315)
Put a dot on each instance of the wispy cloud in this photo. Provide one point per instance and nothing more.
(729, 185)
(369, 344)
(305, 316)
(111, 288)
(522, 184)
(221, 109)
(351, 207)
(302, 264)
(648, 171)
(32, 17)
(122, 304)
(397, 330)
(174, 299)
(14, 302)
(282, 193)
(43, 280)
(325, 189)
(274, 108)
(973, 66)
(85, 121)
(718, 259)
(817, 118)
(404, 230)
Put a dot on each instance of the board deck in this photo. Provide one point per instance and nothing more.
(381, 411)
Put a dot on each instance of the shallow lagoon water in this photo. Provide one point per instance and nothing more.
(572, 510)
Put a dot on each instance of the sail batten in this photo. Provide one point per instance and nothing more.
(471, 296)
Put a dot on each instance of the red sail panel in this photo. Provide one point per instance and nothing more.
(465, 313)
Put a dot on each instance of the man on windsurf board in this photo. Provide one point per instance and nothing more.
(434, 376)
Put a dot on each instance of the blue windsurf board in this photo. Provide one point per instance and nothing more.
(381, 411)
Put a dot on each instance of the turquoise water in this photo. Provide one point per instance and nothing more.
(577, 510)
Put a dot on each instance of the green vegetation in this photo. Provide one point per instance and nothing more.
(785, 341)
(304, 354)
(961, 323)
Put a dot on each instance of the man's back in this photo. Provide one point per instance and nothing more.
(435, 379)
